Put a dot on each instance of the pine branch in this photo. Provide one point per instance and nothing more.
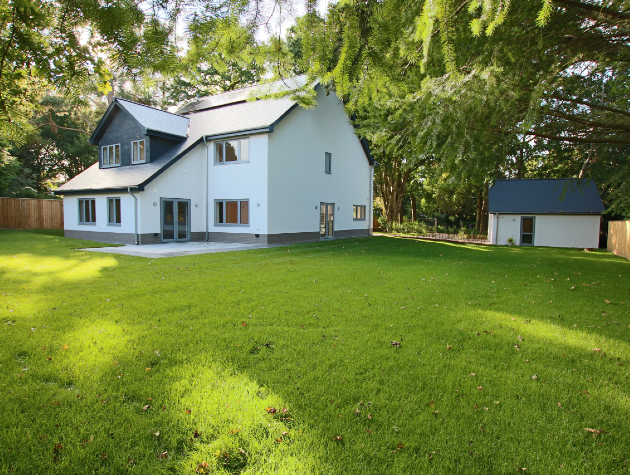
(590, 104)
(610, 140)
(588, 122)
(595, 8)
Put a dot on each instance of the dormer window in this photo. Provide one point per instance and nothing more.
(232, 151)
(111, 155)
(137, 151)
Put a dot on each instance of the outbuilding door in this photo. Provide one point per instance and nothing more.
(175, 217)
(527, 230)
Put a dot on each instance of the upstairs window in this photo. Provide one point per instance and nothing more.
(111, 155)
(358, 213)
(137, 151)
(232, 151)
(87, 211)
(327, 162)
(113, 211)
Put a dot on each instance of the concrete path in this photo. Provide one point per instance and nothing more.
(172, 249)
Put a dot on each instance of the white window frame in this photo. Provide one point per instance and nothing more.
(113, 148)
(238, 152)
(92, 208)
(222, 203)
(113, 222)
(328, 163)
(144, 150)
(355, 215)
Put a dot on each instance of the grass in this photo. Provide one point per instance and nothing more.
(281, 360)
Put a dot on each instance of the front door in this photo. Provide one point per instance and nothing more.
(326, 217)
(175, 220)
(527, 231)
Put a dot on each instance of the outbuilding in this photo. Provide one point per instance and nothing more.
(547, 212)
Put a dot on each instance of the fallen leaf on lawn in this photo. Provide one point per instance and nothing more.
(147, 369)
(597, 349)
(271, 410)
(559, 405)
(497, 402)
(432, 403)
(370, 416)
(473, 374)
(164, 455)
(480, 388)
(449, 347)
(595, 431)
(157, 433)
(396, 344)
(535, 376)
(188, 411)
(607, 301)
(197, 434)
(146, 407)
(65, 347)
(339, 438)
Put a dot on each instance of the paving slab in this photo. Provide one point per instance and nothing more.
(172, 249)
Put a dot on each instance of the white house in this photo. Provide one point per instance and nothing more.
(223, 169)
(555, 213)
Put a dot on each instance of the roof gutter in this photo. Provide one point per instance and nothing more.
(261, 130)
(135, 213)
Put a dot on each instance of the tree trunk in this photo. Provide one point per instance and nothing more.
(479, 208)
(484, 212)
(392, 187)
(520, 171)
(414, 212)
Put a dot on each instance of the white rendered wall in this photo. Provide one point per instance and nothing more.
(297, 181)
(185, 179)
(549, 230)
(239, 181)
(71, 213)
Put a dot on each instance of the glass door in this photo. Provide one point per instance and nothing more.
(326, 219)
(527, 231)
(175, 220)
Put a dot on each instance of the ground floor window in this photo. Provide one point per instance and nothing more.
(87, 211)
(231, 212)
(358, 212)
(113, 211)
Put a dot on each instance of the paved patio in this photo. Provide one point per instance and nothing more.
(173, 249)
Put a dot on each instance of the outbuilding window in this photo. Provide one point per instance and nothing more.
(232, 151)
(327, 162)
(87, 211)
(231, 212)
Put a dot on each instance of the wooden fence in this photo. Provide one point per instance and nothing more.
(619, 238)
(29, 213)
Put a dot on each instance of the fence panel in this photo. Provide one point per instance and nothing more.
(619, 238)
(30, 213)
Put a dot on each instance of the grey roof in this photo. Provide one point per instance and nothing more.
(156, 120)
(547, 196)
(230, 115)
(242, 95)
(241, 117)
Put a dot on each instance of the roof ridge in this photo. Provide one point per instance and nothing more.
(150, 107)
(249, 87)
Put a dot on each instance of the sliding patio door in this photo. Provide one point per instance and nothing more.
(175, 216)
(326, 218)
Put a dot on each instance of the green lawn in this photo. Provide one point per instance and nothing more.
(281, 360)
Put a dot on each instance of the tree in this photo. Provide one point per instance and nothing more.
(490, 72)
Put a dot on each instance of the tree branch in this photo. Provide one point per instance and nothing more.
(594, 8)
(591, 123)
(590, 104)
(610, 140)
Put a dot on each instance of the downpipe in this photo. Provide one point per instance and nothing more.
(135, 213)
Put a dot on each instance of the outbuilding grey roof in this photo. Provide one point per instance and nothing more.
(546, 196)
